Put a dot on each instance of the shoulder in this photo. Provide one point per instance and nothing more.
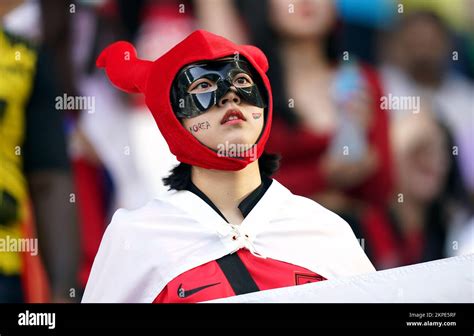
(307, 210)
(317, 228)
(153, 213)
(312, 210)
(297, 204)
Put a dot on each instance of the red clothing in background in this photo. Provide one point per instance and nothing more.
(302, 150)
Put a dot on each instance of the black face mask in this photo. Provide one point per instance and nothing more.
(200, 86)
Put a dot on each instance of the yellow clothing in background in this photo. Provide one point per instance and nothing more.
(17, 69)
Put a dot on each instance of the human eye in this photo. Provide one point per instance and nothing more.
(201, 86)
(242, 80)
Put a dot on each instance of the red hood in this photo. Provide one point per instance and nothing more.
(154, 80)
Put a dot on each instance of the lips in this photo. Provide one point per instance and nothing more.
(231, 115)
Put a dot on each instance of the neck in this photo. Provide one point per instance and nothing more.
(303, 54)
(411, 214)
(428, 80)
(226, 189)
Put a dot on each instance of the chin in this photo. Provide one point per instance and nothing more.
(233, 142)
(238, 137)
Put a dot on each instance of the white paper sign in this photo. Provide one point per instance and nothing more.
(441, 281)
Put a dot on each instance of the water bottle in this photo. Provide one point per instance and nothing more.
(349, 142)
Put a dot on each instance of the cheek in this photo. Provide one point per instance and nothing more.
(205, 128)
(257, 119)
(257, 115)
(197, 125)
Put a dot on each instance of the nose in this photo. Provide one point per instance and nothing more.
(230, 96)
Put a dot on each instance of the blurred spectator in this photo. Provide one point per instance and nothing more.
(105, 173)
(35, 168)
(416, 64)
(458, 16)
(429, 201)
(455, 13)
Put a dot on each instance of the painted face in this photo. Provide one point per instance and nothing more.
(200, 86)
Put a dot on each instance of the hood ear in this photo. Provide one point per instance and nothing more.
(258, 56)
(123, 68)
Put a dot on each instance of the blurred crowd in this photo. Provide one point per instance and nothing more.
(373, 118)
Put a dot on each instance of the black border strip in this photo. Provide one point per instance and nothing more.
(137, 317)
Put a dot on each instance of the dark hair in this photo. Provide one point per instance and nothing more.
(440, 211)
(256, 17)
(180, 176)
(454, 190)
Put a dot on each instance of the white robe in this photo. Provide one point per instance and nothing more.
(144, 249)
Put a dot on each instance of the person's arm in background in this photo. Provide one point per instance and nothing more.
(220, 17)
(377, 186)
(370, 178)
(50, 181)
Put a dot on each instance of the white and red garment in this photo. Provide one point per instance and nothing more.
(144, 249)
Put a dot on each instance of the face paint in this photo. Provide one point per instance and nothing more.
(198, 87)
(256, 115)
(200, 126)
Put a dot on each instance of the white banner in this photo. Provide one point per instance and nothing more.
(441, 281)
